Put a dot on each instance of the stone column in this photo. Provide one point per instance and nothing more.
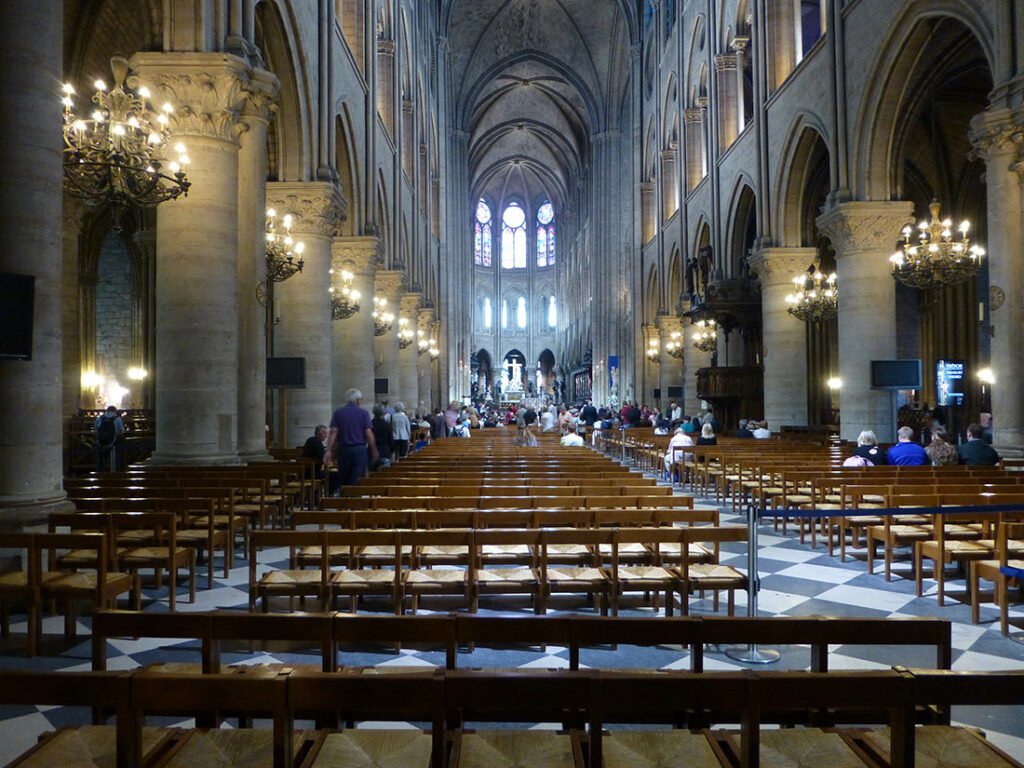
(651, 366)
(648, 212)
(693, 135)
(352, 354)
(389, 285)
(671, 369)
(781, 34)
(197, 317)
(740, 45)
(996, 135)
(725, 72)
(408, 377)
(305, 303)
(408, 155)
(423, 366)
(144, 243)
(74, 213)
(864, 235)
(30, 244)
(386, 88)
(262, 95)
(785, 337)
(669, 187)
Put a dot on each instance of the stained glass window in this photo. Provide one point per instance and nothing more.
(513, 237)
(482, 235)
(546, 235)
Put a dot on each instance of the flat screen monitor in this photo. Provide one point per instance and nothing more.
(895, 374)
(949, 382)
(17, 307)
(381, 386)
(286, 372)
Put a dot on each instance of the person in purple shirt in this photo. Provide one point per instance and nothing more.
(907, 453)
(350, 440)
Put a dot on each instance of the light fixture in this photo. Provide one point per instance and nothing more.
(834, 383)
(654, 351)
(344, 300)
(674, 345)
(91, 380)
(937, 259)
(137, 374)
(705, 337)
(422, 343)
(434, 351)
(406, 335)
(814, 298)
(115, 156)
(986, 376)
(382, 319)
(284, 255)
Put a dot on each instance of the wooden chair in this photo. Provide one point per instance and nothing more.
(655, 578)
(418, 581)
(1009, 553)
(900, 530)
(943, 550)
(590, 578)
(290, 583)
(698, 577)
(521, 579)
(381, 547)
(19, 583)
(159, 550)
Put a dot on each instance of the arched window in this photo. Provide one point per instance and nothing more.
(513, 237)
(504, 314)
(546, 235)
(521, 313)
(812, 25)
(670, 17)
(482, 235)
(552, 313)
(487, 313)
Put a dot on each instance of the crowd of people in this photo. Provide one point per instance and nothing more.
(942, 450)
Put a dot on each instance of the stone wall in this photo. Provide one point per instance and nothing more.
(114, 310)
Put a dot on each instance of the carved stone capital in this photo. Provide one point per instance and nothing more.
(998, 134)
(410, 304)
(693, 116)
(426, 318)
(262, 96)
(407, 106)
(647, 188)
(701, 102)
(386, 47)
(668, 324)
(740, 44)
(207, 90)
(725, 62)
(777, 266)
(318, 207)
(865, 226)
(360, 255)
(389, 283)
(668, 155)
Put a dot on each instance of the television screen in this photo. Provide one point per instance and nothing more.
(381, 386)
(949, 382)
(286, 372)
(895, 374)
(17, 305)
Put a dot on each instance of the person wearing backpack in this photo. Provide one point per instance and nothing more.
(109, 429)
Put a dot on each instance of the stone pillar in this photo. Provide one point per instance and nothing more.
(648, 212)
(197, 317)
(352, 355)
(693, 135)
(408, 154)
(740, 45)
(389, 285)
(262, 94)
(782, 31)
(996, 136)
(728, 122)
(74, 213)
(785, 337)
(671, 369)
(669, 187)
(386, 89)
(144, 245)
(864, 235)
(423, 365)
(305, 303)
(30, 244)
(408, 377)
(651, 366)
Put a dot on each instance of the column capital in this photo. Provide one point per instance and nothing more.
(996, 132)
(389, 283)
(740, 44)
(669, 154)
(208, 90)
(775, 266)
(865, 226)
(725, 62)
(646, 187)
(385, 47)
(360, 255)
(668, 324)
(693, 115)
(409, 304)
(318, 207)
(426, 317)
(262, 96)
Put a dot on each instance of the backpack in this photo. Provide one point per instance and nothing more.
(106, 432)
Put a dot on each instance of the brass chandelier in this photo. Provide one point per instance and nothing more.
(383, 320)
(654, 351)
(815, 298)
(284, 255)
(940, 257)
(422, 343)
(344, 301)
(674, 345)
(406, 335)
(116, 155)
(705, 337)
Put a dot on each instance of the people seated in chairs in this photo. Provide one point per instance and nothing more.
(572, 439)
(907, 453)
(707, 435)
(679, 439)
(976, 452)
(941, 451)
(869, 450)
(743, 431)
(761, 431)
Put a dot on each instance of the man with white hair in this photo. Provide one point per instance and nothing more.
(350, 439)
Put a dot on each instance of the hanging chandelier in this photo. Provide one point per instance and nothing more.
(406, 335)
(383, 320)
(705, 338)
(284, 255)
(434, 351)
(116, 155)
(674, 345)
(654, 351)
(345, 301)
(815, 298)
(422, 343)
(939, 257)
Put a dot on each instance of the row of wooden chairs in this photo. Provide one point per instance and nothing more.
(589, 501)
(584, 704)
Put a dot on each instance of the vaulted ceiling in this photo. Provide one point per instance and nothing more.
(534, 80)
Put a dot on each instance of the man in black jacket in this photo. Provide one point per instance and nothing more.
(976, 452)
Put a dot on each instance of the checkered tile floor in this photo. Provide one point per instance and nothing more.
(796, 580)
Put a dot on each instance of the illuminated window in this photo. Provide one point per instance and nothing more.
(552, 313)
(513, 238)
(482, 235)
(521, 313)
(504, 313)
(546, 236)
(487, 313)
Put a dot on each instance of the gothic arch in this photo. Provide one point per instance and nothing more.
(806, 138)
(346, 161)
(742, 210)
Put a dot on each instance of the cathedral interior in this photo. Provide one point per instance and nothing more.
(750, 207)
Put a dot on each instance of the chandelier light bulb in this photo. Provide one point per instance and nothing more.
(283, 253)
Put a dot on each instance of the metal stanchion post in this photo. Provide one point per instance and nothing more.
(751, 654)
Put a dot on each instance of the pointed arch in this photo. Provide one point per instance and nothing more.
(806, 141)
